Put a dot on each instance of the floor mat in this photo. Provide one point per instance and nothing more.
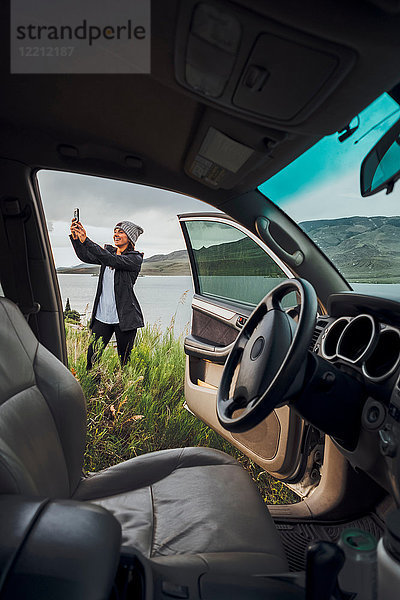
(296, 536)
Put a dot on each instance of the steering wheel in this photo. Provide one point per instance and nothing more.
(270, 354)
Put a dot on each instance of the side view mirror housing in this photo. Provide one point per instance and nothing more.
(380, 169)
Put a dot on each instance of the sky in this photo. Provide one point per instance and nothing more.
(105, 202)
(322, 183)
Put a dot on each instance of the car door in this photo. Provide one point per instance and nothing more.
(232, 271)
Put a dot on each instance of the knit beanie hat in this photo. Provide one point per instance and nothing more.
(132, 231)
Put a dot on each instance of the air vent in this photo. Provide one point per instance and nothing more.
(321, 324)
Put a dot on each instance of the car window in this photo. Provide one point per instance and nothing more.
(103, 203)
(320, 190)
(230, 265)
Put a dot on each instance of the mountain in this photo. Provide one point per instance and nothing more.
(174, 263)
(363, 248)
(82, 268)
(241, 257)
(176, 255)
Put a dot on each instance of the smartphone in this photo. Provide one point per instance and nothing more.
(76, 214)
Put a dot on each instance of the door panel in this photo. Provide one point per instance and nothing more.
(214, 329)
(209, 327)
(232, 271)
(274, 444)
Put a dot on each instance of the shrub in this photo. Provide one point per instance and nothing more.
(71, 316)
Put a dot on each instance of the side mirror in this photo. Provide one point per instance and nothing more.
(380, 169)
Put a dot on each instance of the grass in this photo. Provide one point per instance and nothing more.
(139, 408)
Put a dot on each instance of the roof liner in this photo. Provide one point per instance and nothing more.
(154, 118)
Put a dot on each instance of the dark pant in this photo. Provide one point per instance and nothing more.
(102, 335)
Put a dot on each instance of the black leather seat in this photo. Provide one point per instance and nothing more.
(185, 501)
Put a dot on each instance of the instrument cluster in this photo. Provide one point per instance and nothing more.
(361, 336)
(365, 342)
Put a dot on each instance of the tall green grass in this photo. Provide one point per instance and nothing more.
(139, 408)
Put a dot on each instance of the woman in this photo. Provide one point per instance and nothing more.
(116, 309)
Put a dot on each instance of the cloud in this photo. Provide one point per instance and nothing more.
(340, 197)
(103, 203)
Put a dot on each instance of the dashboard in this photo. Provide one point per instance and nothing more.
(360, 338)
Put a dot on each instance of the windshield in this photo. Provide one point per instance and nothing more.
(321, 192)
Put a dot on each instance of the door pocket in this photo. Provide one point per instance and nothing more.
(211, 329)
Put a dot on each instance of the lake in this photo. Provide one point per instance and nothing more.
(162, 299)
(165, 298)
(387, 290)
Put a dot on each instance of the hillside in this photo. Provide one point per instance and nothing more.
(242, 257)
(174, 263)
(82, 268)
(364, 249)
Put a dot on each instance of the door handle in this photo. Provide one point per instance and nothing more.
(263, 229)
(194, 346)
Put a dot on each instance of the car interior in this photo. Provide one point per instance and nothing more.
(308, 388)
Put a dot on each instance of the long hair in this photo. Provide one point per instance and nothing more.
(130, 246)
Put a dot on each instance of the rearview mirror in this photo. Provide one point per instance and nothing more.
(381, 167)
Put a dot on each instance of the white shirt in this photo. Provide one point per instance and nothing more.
(107, 308)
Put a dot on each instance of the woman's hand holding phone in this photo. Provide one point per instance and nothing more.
(78, 231)
(73, 231)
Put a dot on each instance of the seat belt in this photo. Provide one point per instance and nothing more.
(16, 256)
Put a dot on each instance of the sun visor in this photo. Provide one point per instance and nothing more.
(224, 151)
(254, 66)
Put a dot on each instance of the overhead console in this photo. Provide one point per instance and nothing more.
(256, 67)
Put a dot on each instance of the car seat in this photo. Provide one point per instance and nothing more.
(171, 502)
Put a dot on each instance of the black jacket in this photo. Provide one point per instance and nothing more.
(127, 267)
